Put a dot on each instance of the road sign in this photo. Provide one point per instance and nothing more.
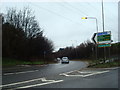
(104, 37)
(94, 38)
(104, 45)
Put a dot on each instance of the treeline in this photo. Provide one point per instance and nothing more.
(87, 50)
(22, 37)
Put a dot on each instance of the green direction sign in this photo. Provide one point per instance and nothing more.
(104, 45)
(104, 37)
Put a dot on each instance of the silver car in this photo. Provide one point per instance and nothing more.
(65, 60)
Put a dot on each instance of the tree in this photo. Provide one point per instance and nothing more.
(13, 41)
(22, 36)
(83, 51)
(25, 20)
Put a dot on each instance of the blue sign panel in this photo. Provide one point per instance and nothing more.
(103, 33)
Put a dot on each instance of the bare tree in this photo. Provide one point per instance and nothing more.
(22, 35)
(24, 19)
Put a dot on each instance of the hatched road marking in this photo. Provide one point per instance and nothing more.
(87, 73)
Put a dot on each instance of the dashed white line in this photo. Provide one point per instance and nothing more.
(20, 72)
(24, 72)
(8, 73)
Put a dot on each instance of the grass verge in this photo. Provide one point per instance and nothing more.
(97, 64)
(107, 65)
(14, 62)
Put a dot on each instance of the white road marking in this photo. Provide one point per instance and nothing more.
(71, 71)
(21, 82)
(29, 86)
(68, 72)
(44, 80)
(72, 75)
(8, 73)
(89, 74)
(84, 72)
(25, 72)
(20, 72)
(95, 73)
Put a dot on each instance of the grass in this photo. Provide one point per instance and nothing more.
(13, 62)
(92, 63)
(107, 65)
(96, 63)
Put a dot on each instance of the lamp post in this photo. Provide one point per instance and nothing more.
(95, 20)
(96, 28)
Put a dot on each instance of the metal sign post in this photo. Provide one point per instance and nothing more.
(104, 40)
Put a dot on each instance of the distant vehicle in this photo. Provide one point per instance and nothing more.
(65, 60)
(58, 59)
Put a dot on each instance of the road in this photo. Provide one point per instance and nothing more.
(72, 75)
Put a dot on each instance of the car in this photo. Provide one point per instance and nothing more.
(64, 60)
(58, 59)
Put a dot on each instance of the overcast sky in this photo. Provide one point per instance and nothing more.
(62, 21)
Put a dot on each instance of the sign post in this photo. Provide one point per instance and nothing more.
(102, 40)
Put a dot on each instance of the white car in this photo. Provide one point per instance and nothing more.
(65, 60)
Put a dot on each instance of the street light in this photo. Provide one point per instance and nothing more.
(96, 28)
(92, 18)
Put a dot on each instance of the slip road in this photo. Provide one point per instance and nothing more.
(59, 76)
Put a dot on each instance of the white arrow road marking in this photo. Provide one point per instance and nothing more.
(29, 86)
